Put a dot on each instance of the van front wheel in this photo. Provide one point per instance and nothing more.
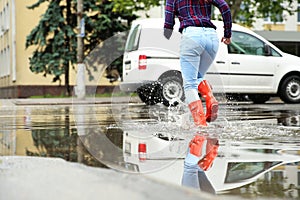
(289, 91)
(172, 90)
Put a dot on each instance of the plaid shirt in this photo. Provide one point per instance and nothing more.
(196, 13)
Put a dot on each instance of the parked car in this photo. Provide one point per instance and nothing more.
(250, 66)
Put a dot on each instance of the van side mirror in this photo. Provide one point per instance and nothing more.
(267, 50)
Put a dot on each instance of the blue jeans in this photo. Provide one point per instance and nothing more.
(198, 49)
(194, 176)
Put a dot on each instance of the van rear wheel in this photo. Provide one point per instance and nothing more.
(172, 90)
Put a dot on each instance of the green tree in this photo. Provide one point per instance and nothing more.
(55, 36)
(247, 11)
(55, 41)
(127, 6)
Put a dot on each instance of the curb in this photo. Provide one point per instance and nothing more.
(72, 101)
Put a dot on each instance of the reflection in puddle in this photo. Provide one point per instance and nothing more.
(258, 154)
(238, 165)
(288, 118)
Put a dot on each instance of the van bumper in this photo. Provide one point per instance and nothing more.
(133, 86)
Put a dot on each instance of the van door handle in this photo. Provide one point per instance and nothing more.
(220, 62)
(235, 63)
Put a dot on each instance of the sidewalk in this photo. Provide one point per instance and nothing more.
(96, 100)
(36, 178)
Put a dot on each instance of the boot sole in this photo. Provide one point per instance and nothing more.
(213, 113)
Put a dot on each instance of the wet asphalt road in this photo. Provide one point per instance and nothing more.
(28, 128)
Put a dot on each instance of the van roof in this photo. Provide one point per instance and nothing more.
(159, 23)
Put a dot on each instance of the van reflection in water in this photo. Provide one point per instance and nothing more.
(233, 165)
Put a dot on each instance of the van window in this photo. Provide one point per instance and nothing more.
(275, 53)
(133, 40)
(240, 171)
(244, 43)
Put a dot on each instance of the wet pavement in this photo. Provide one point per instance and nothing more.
(44, 178)
(258, 156)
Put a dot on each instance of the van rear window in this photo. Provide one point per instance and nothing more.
(133, 39)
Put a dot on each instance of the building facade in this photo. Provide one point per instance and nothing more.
(16, 79)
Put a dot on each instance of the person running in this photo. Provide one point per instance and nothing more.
(198, 48)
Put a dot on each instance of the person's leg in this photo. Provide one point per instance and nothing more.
(194, 154)
(193, 175)
(209, 53)
(212, 147)
(211, 152)
(207, 58)
(190, 176)
(212, 105)
(205, 184)
(190, 51)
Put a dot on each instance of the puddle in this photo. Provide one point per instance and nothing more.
(258, 156)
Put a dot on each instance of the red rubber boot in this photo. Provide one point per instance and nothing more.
(196, 145)
(212, 105)
(212, 147)
(197, 111)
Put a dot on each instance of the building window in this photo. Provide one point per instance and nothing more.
(1, 22)
(298, 11)
(277, 175)
(5, 62)
(298, 178)
(1, 63)
(7, 69)
(4, 41)
(4, 19)
(279, 19)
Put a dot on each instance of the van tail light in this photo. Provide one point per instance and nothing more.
(142, 62)
(142, 150)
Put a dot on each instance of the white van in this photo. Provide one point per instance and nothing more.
(250, 66)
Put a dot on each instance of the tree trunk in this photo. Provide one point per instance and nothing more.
(67, 44)
(235, 7)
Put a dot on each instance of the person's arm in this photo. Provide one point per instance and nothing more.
(226, 15)
(169, 14)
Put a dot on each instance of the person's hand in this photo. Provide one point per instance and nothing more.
(226, 40)
(168, 33)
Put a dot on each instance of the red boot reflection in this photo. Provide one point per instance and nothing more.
(201, 154)
(212, 147)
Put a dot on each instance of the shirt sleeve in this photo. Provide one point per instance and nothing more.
(169, 14)
(226, 15)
